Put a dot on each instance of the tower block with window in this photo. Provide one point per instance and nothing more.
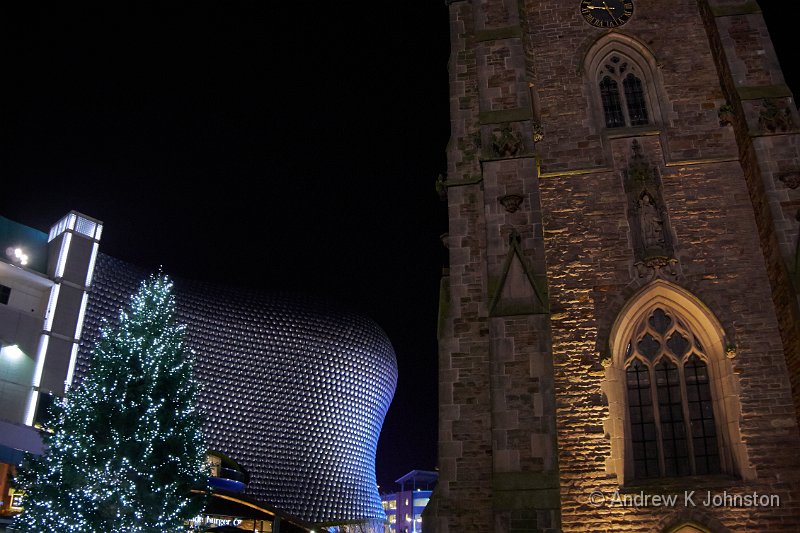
(620, 312)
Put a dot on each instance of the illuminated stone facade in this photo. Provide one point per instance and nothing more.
(294, 390)
(618, 317)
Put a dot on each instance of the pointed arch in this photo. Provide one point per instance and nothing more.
(689, 528)
(661, 292)
(673, 396)
(625, 82)
(690, 520)
(517, 291)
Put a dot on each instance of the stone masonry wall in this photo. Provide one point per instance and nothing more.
(497, 427)
(591, 270)
(769, 148)
(542, 261)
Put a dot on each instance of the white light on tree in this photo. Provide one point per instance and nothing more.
(126, 447)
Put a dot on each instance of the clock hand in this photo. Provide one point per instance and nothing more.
(610, 11)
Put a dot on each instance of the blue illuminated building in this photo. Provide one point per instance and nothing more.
(404, 507)
(295, 390)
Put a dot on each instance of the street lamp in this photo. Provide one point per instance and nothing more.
(17, 255)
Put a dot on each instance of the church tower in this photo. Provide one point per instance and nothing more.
(619, 325)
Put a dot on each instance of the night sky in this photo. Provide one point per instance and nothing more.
(282, 145)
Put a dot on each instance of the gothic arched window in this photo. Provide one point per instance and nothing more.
(628, 107)
(670, 406)
(673, 408)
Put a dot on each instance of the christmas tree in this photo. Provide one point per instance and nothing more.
(126, 448)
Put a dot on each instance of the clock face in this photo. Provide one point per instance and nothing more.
(607, 13)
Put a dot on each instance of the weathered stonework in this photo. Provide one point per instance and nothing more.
(534, 430)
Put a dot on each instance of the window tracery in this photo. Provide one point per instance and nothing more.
(629, 106)
(670, 406)
(663, 322)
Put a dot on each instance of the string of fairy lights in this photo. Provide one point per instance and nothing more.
(126, 447)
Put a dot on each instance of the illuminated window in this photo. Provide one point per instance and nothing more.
(392, 504)
(17, 497)
(214, 464)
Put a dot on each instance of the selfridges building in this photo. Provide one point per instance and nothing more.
(295, 390)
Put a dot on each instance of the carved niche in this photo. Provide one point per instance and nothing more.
(647, 216)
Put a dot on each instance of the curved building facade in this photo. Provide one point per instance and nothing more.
(294, 389)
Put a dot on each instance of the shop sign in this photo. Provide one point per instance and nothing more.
(217, 521)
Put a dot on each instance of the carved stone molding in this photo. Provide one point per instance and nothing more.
(441, 187)
(726, 115)
(638, 168)
(506, 142)
(511, 202)
(658, 266)
(791, 178)
(730, 351)
(537, 131)
(515, 289)
(774, 119)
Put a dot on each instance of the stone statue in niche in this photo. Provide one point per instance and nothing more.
(651, 223)
(647, 217)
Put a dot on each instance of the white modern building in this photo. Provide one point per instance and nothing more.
(44, 283)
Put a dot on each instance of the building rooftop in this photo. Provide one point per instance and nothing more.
(418, 479)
